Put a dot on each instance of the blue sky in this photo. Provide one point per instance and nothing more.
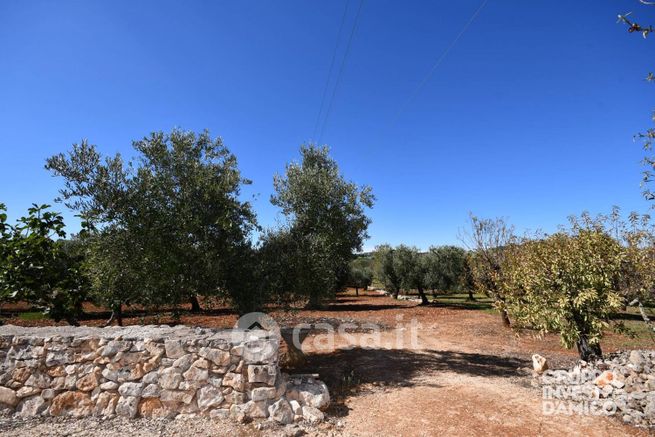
(530, 116)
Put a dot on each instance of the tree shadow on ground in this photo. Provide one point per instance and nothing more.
(629, 316)
(464, 305)
(162, 312)
(337, 306)
(347, 371)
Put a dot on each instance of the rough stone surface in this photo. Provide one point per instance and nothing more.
(312, 415)
(209, 397)
(281, 412)
(539, 364)
(262, 373)
(127, 406)
(152, 372)
(71, 403)
(308, 391)
(622, 383)
(30, 407)
(8, 397)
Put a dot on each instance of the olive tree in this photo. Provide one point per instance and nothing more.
(360, 274)
(412, 267)
(169, 223)
(385, 269)
(446, 267)
(326, 214)
(295, 266)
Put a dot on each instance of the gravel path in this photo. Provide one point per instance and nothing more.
(12, 426)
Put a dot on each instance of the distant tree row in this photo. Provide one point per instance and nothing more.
(171, 225)
(441, 268)
(571, 283)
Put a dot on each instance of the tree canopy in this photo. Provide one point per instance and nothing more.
(174, 210)
(326, 216)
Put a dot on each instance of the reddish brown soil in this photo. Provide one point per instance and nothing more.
(467, 376)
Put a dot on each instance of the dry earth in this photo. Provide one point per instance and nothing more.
(467, 375)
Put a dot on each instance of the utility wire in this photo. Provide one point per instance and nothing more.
(439, 60)
(339, 74)
(329, 76)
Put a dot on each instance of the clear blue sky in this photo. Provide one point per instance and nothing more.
(530, 116)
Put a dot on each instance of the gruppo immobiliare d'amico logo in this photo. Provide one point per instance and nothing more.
(575, 393)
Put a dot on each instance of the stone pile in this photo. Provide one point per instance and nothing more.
(151, 371)
(622, 384)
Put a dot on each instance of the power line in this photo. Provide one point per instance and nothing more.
(339, 74)
(439, 61)
(327, 82)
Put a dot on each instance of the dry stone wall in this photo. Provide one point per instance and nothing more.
(151, 371)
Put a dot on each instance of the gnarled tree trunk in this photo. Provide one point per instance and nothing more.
(588, 351)
(195, 305)
(505, 318)
(424, 298)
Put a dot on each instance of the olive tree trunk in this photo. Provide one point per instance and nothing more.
(424, 298)
(195, 305)
(505, 318)
(588, 351)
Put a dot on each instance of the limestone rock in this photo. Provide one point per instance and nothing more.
(109, 385)
(184, 362)
(637, 358)
(262, 373)
(234, 380)
(170, 378)
(196, 374)
(48, 394)
(71, 403)
(26, 391)
(151, 391)
(105, 404)
(209, 397)
(539, 364)
(237, 414)
(604, 379)
(31, 407)
(263, 393)
(296, 407)
(87, 382)
(216, 356)
(312, 415)
(256, 409)
(219, 413)
(127, 406)
(131, 389)
(39, 380)
(177, 396)
(201, 363)
(151, 378)
(311, 393)
(281, 411)
(173, 348)
(20, 374)
(152, 371)
(153, 407)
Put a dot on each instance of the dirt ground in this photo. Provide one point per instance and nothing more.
(458, 372)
